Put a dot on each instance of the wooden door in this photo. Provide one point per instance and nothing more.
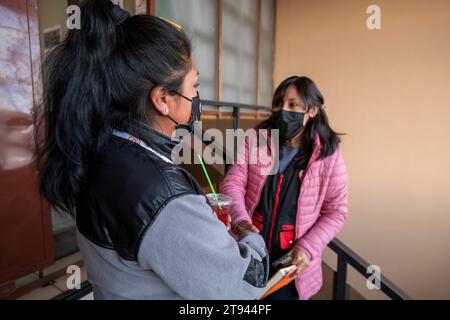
(26, 243)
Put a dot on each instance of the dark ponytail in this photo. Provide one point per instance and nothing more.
(99, 78)
(319, 125)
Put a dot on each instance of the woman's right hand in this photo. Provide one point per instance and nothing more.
(245, 227)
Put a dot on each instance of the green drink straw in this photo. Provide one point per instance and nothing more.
(209, 181)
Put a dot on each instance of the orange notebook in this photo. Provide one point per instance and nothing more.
(280, 279)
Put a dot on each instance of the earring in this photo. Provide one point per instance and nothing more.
(166, 110)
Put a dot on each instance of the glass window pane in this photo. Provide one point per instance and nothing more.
(266, 53)
(199, 21)
(239, 56)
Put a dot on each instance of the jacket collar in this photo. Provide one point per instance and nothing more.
(154, 139)
(317, 148)
(160, 142)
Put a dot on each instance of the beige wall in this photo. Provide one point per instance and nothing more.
(389, 90)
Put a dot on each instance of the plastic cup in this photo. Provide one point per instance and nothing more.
(222, 212)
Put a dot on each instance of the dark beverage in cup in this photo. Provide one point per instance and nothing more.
(221, 207)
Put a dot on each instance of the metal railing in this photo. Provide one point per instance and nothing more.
(345, 255)
(236, 114)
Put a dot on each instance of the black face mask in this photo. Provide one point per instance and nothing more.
(288, 122)
(195, 113)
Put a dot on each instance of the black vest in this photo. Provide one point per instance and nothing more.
(125, 191)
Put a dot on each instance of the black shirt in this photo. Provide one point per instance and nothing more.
(275, 215)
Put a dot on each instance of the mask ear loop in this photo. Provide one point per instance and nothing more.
(198, 106)
(181, 125)
(183, 96)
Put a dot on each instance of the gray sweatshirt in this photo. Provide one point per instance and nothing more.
(186, 253)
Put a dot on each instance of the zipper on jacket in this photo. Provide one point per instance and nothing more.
(274, 214)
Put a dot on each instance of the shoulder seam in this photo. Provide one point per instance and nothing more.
(155, 216)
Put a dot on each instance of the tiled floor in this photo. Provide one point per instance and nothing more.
(59, 286)
(61, 283)
(44, 293)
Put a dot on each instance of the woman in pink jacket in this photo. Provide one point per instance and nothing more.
(303, 206)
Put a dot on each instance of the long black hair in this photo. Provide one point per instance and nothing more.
(320, 125)
(98, 79)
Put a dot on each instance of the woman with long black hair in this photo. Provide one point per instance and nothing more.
(116, 90)
(303, 206)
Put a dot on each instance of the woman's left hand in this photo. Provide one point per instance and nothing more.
(300, 259)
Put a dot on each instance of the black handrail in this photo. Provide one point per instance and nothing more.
(76, 294)
(345, 255)
(233, 105)
(236, 113)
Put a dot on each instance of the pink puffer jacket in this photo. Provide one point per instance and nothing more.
(321, 211)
